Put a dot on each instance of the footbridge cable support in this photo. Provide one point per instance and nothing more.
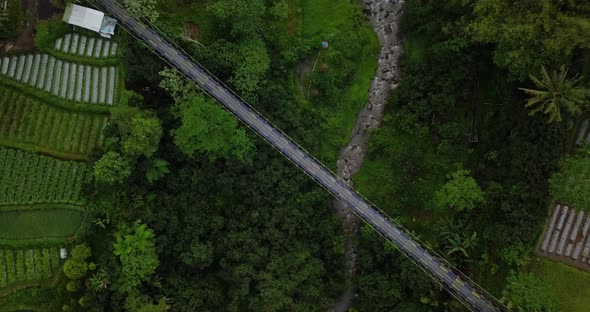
(469, 293)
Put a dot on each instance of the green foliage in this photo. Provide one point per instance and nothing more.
(112, 168)
(448, 77)
(142, 8)
(205, 127)
(515, 255)
(571, 184)
(76, 266)
(48, 31)
(461, 192)
(80, 252)
(210, 130)
(156, 169)
(556, 93)
(245, 17)
(144, 137)
(252, 66)
(527, 292)
(140, 131)
(530, 34)
(137, 254)
(75, 269)
(12, 21)
(73, 285)
(99, 281)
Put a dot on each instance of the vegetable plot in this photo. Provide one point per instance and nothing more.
(64, 79)
(27, 264)
(30, 124)
(28, 178)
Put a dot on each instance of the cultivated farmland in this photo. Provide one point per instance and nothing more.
(71, 81)
(28, 178)
(27, 264)
(81, 45)
(28, 123)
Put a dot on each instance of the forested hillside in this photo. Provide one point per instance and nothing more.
(177, 206)
(460, 159)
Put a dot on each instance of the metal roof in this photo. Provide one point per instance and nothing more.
(84, 17)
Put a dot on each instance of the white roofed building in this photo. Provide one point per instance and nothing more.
(90, 19)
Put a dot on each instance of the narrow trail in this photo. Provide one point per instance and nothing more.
(385, 16)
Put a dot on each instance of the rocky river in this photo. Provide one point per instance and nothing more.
(385, 17)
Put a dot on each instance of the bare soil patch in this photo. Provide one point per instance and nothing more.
(192, 31)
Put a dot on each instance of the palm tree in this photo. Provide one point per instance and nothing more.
(555, 92)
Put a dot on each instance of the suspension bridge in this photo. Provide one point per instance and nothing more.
(459, 285)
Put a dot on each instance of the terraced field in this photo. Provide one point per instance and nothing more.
(28, 178)
(53, 108)
(27, 264)
(30, 124)
(81, 45)
(71, 81)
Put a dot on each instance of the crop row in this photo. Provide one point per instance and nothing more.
(27, 121)
(29, 264)
(72, 81)
(31, 178)
(81, 45)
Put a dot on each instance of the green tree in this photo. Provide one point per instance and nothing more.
(112, 168)
(246, 17)
(461, 192)
(252, 66)
(142, 8)
(137, 253)
(527, 292)
(206, 128)
(530, 34)
(76, 266)
(73, 285)
(554, 94)
(140, 131)
(144, 137)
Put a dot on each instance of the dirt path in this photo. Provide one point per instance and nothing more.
(385, 16)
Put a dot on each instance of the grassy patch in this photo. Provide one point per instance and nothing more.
(334, 21)
(39, 224)
(570, 285)
(323, 19)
